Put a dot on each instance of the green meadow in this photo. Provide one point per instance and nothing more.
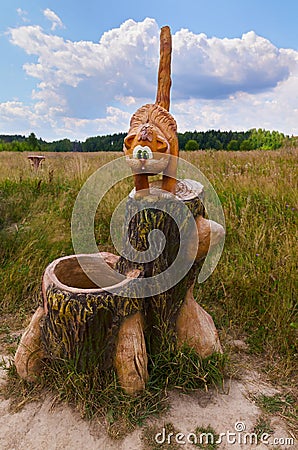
(251, 295)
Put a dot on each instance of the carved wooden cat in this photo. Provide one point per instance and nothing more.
(151, 145)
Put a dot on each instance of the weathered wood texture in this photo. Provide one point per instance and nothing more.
(195, 327)
(131, 355)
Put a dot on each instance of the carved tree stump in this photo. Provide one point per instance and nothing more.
(86, 325)
(89, 326)
(171, 311)
(83, 323)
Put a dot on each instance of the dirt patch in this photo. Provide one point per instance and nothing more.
(234, 410)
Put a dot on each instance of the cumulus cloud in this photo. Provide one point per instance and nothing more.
(272, 108)
(217, 83)
(215, 68)
(17, 118)
(52, 17)
(91, 75)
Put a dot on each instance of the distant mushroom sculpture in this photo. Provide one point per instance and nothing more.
(36, 161)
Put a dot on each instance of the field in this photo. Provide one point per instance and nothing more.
(251, 295)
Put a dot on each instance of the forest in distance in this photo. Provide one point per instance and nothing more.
(254, 139)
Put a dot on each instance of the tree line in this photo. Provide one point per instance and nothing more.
(190, 140)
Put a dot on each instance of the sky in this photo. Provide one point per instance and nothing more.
(73, 69)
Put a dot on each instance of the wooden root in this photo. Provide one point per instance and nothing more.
(30, 352)
(131, 355)
(195, 327)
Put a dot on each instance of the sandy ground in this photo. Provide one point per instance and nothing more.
(40, 425)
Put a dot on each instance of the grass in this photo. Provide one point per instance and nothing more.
(283, 405)
(276, 403)
(167, 437)
(207, 438)
(262, 427)
(252, 292)
(155, 438)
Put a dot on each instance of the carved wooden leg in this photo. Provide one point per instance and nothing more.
(131, 356)
(30, 352)
(169, 184)
(170, 174)
(196, 328)
(141, 182)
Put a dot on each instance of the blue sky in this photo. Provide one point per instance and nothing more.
(80, 69)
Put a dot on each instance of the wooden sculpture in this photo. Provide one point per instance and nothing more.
(92, 325)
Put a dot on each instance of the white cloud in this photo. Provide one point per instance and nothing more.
(273, 108)
(115, 120)
(86, 88)
(215, 68)
(17, 118)
(52, 17)
(87, 76)
(23, 14)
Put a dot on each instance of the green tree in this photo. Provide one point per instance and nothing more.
(33, 142)
(233, 145)
(64, 145)
(191, 145)
(217, 145)
(246, 145)
(266, 140)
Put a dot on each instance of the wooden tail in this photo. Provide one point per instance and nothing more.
(164, 71)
